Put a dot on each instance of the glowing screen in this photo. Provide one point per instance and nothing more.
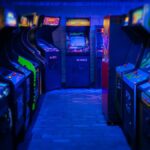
(77, 41)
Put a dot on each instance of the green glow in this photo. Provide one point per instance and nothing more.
(33, 106)
(28, 65)
(24, 62)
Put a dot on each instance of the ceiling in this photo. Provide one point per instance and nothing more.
(105, 1)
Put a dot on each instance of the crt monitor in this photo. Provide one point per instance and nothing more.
(77, 41)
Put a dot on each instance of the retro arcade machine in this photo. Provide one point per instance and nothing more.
(26, 36)
(98, 52)
(12, 61)
(133, 44)
(26, 59)
(43, 40)
(144, 117)
(77, 52)
(16, 79)
(140, 24)
(6, 141)
(112, 48)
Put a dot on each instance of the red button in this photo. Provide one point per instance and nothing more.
(14, 74)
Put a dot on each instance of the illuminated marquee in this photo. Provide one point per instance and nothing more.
(78, 22)
(137, 17)
(51, 21)
(29, 20)
(126, 21)
(7, 18)
(10, 19)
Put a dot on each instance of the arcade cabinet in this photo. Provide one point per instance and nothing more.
(77, 52)
(132, 44)
(14, 77)
(114, 53)
(42, 38)
(12, 60)
(144, 117)
(28, 22)
(25, 57)
(98, 55)
(6, 139)
(139, 22)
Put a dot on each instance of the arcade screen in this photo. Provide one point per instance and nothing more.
(77, 41)
(145, 64)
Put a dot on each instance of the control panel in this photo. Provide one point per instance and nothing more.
(21, 68)
(145, 86)
(14, 77)
(135, 77)
(124, 68)
(48, 48)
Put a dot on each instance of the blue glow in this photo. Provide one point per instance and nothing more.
(77, 41)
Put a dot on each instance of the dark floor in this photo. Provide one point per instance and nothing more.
(73, 120)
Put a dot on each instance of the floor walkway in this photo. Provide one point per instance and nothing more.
(72, 120)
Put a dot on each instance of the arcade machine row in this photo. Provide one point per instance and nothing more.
(136, 81)
(114, 53)
(43, 39)
(98, 55)
(27, 23)
(133, 43)
(77, 52)
(16, 79)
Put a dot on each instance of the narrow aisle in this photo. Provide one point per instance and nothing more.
(72, 120)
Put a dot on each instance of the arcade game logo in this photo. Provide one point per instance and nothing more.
(7, 18)
(51, 21)
(28, 20)
(10, 19)
(137, 17)
(78, 22)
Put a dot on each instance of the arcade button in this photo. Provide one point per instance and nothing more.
(9, 77)
(14, 74)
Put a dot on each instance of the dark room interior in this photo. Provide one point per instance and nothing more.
(74, 75)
